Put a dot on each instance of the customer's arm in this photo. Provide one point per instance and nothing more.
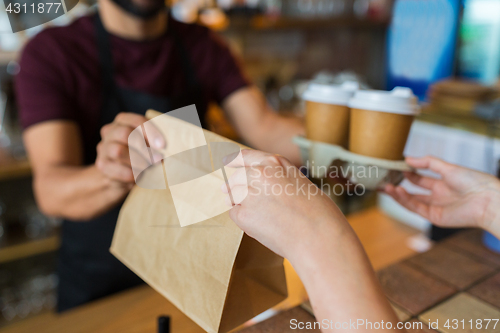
(65, 188)
(461, 197)
(260, 126)
(287, 213)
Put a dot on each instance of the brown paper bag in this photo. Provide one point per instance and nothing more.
(210, 270)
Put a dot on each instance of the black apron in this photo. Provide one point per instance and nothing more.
(87, 270)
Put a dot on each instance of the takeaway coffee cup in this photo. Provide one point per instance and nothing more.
(327, 113)
(380, 122)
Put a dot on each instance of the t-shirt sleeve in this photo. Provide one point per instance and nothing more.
(41, 89)
(225, 72)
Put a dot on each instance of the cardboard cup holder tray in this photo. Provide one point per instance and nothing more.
(373, 173)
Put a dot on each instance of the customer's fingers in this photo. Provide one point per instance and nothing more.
(429, 162)
(422, 181)
(410, 202)
(234, 213)
(391, 190)
(239, 177)
(239, 193)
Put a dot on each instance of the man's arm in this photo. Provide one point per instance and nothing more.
(62, 186)
(260, 126)
(65, 188)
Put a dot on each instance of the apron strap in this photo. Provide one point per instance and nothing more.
(186, 62)
(107, 68)
(106, 62)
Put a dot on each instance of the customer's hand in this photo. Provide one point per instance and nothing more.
(283, 210)
(287, 213)
(113, 153)
(461, 198)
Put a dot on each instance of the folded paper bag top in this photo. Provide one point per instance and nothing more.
(191, 165)
(211, 271)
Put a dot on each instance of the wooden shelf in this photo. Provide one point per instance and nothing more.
(11, 167)
(262, 22)
(468, 123)
(24, 248)
(8, 56)
(14, 169)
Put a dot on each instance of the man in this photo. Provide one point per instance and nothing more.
(98, 76)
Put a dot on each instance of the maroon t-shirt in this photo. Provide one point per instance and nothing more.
(60, 75)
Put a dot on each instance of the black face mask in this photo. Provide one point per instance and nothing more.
(135, 10)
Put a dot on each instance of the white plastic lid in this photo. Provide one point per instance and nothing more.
(330, 94)
(399, 100)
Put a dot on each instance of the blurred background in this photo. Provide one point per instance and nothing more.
(447, 51)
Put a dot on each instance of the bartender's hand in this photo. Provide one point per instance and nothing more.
(113, 153)
(461, 198)
(283, 210)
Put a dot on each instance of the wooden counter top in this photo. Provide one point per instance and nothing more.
(384, 239)
(137, 310)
